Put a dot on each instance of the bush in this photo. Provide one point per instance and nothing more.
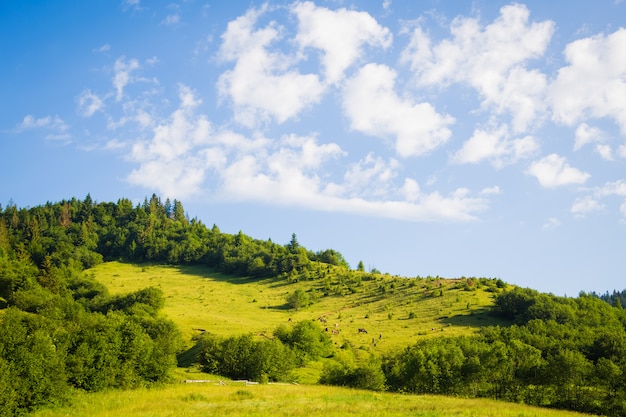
(242, 357)
(298, 299)
(365, 376)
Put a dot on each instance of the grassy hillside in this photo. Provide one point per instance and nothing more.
(400, 310)
(283, 400)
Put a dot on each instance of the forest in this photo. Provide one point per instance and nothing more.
(61, 331)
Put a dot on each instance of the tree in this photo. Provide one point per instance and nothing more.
(293, 244)
(298, 299)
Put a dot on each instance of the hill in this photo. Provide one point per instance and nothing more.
(100, 296)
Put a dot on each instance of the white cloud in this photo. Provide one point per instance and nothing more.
(104, 48)
(584, 205)
(593, 85)
(491, 59)
(171, 20)
(57, 128)
(263, 85)
(89, 103)
(340, 33)
(370, 177)
(122, 74)
(172, 160)
(247, 179)
(31, 122)
(586, 134)
(134, 4)
(551, 224)
(553, 171)
(374, 108)
(495, 190)
(616, 188)
(496, 146)
(290, 171)
(605, 152)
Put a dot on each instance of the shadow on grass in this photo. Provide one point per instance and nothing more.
(188, 357)
(482, 317)
(211, 273)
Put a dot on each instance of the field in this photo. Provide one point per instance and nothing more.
(282, 400)
(199, 299)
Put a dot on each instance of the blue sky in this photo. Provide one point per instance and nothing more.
(446, 138)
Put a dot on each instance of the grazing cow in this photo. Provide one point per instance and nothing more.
(335, 331)
(362, 330)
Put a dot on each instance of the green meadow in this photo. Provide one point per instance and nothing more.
(211, 399)
(198, 299)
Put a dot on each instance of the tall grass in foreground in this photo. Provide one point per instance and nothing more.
(207, 399)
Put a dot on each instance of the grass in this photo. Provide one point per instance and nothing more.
(282, 400)
(408, 309)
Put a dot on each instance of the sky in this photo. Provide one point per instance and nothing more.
(424, 138)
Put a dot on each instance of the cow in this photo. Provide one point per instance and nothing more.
(362, 330)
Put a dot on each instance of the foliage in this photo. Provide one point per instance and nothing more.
(307, 339)
(298, 299)
(243, 357)
(263, 359)
(565, 353)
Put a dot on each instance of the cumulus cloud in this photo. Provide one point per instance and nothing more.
(496, 146)
(375, 109)
(593, 85)
(585, 205)
(340, 34)
(492, 60)
(263, 85)
(554, 171)
(185, 149)
(172, 159)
